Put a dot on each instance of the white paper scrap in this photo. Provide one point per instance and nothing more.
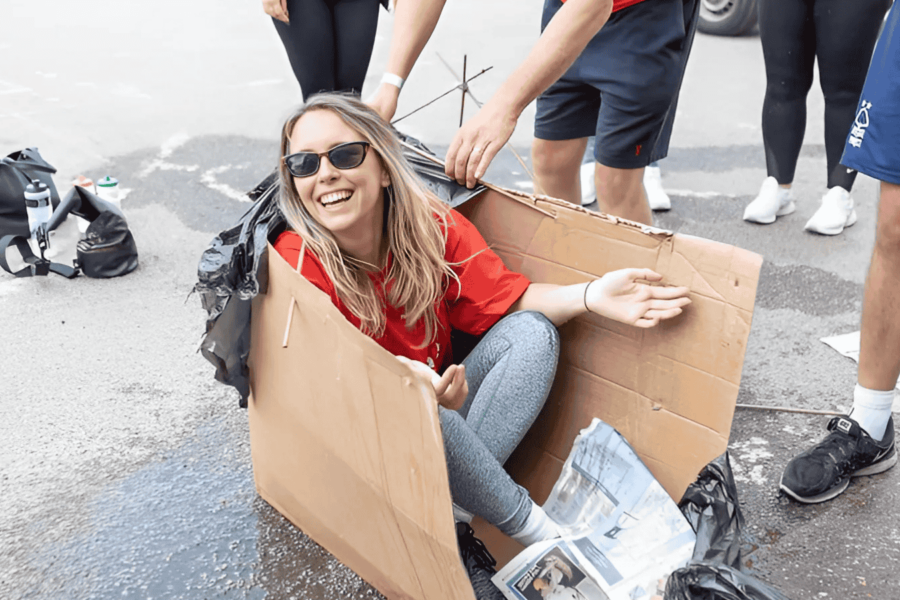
(848, 345)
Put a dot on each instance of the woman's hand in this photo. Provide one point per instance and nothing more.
(276, 9)
(451, 389)
(620, 296)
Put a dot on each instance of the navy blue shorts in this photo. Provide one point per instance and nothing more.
(873, 145)
(624, 86)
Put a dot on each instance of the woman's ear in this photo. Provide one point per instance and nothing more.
(385, 178)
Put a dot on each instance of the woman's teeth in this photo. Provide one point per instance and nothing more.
(335, 197)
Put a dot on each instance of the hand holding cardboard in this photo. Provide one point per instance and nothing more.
(450, 389)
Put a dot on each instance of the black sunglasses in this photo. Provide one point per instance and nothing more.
(343, 156)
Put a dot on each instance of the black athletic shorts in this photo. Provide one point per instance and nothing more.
(624, 86)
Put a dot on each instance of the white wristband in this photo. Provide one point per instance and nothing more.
(394, 80)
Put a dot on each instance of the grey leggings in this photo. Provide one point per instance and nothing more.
(509, 374)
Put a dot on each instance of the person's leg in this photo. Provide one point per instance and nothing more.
(657, 197)
(309, 44)
(557, 165)
(873, 148)
(879, 352)
(620, 192)
(565, 116)
(639, 80)
(863, 442)
(788, 36)
(509, 373)
(355, 22)
(478, 483)
(845, 36)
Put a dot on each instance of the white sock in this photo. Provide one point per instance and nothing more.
(872, 409)
(462, 515)
(538, 527)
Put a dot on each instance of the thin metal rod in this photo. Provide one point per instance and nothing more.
(787, 409)
(478, 104)
(465, 88)
(450, 91)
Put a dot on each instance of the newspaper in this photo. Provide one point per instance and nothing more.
(622, 535)
(848, 345)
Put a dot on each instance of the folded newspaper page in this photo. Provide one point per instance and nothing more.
(622, 535)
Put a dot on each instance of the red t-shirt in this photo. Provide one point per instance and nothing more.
(486, 292)
(619, 4)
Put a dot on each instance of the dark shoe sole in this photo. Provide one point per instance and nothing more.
(880, 467)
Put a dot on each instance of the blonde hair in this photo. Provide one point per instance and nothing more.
(415, 227)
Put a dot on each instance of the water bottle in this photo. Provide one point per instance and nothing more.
(39, 208)
(108, 189)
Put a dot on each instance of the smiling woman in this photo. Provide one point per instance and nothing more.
(407, 270)
(339, 183)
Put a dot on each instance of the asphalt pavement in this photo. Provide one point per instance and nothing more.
(125, 468)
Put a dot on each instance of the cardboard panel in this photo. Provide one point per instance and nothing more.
(347, 446)
(671, 390)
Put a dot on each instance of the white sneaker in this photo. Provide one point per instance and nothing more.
(588, 191)
(772, 201)
(835, 213)
(656, 195)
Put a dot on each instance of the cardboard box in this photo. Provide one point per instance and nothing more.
(347, 445)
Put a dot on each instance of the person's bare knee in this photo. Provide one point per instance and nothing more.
(556, 167)
(620, 192)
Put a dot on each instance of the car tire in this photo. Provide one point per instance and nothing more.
(728, 17)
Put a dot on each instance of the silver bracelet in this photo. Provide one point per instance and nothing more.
(585, 295)
(394, 80)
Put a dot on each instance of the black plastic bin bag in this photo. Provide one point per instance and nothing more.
(714, 573)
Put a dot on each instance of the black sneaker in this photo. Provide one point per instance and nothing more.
(824, 471)
(479, 563)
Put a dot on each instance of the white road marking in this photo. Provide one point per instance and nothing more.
(161, 165)
(165, 150)
(7, 87)
(172, 144)
(209, 180)
(745, 455)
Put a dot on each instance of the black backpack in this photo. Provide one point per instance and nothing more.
(108, 249)
(16, 171)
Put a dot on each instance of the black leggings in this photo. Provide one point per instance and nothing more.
(329, 43)
(841, 34)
